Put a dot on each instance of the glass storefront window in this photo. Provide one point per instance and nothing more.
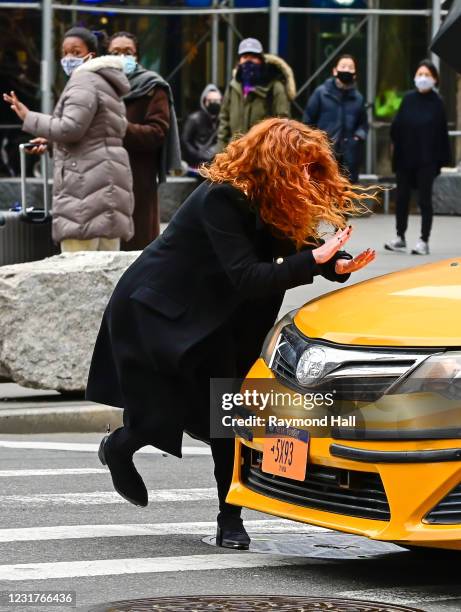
(20, 72)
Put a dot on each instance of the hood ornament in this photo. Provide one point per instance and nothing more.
(311, 365)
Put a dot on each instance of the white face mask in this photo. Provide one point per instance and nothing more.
(424, 83)
(69, 63)
(129, 63)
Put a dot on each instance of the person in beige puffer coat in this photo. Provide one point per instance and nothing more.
(92, 192)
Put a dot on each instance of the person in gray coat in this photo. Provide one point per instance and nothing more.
(92, 191)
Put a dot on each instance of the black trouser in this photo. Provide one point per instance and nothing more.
(215, 357)
(422, 179)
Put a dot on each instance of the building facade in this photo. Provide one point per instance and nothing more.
(193, 42)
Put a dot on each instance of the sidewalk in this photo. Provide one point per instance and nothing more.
(25, 411)
(32, 411)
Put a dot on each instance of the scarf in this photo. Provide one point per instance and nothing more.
(142, 81)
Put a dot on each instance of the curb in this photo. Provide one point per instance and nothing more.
(63, 419)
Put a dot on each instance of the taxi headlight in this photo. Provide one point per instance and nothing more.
(440, 374)
(272, 338)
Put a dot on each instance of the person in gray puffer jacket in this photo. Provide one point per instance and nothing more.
(92, 192)
(200, 131)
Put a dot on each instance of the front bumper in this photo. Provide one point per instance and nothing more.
(412, 489)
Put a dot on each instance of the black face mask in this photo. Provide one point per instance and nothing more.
(250, 73)
(213, 108)
(346, 77)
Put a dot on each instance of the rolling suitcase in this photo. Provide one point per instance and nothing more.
(25, 235)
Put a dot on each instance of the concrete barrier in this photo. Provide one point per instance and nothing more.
(171, 194)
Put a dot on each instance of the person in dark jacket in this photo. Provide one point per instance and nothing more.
(151, 131)
(200, 299)
(421, 147)
(337, 107)
(200, 131)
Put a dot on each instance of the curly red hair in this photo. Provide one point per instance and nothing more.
(268, 163)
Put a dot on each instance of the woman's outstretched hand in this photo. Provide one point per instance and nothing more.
(345, 266)
(325, 252)
(18, 107)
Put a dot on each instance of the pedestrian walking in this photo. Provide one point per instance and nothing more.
(151, 138)
(263, 86)
(200, 131)
(337, 107)
(92, 188)
(419, 135)
(199, 301)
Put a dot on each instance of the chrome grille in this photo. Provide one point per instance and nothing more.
(353, 373)
(347, 492)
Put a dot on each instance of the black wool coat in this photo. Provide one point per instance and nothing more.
(419, 133)
(199, 138)
(207, 291)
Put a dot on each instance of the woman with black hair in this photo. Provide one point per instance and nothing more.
(151, 139)
(421, 147)
(92, 188)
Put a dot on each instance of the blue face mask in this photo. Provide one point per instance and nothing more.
(129, 63)
(69, 64)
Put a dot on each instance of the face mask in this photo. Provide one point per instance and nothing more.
(213, 108)
(345, 77)
(424, 83)
(251, 73)
(129, 63)
(69, 64)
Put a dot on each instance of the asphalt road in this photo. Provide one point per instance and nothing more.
(66, 531)
(63, 528)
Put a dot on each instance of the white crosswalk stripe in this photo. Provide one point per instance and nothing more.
(402, 597)
(95, 498)
(111, 567)
(78, 447)
(65, 566)
(68, 532)
(51, 472)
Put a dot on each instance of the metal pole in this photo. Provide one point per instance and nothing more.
(372, 67)
(214, 45)
(274, 11)
(22, 5)
(46, 77)
(116, 10)
(230, 43)
(435, 25)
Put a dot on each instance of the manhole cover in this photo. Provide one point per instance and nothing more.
(249, 603)
(333, 545)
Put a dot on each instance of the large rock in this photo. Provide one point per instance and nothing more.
(50, 312)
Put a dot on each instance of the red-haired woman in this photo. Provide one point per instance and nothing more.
(200, 299)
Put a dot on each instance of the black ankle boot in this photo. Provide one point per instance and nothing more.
(231, 533)
(125, 477)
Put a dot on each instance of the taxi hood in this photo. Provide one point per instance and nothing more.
(417, 307)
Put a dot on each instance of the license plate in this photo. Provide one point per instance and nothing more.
(285, 452)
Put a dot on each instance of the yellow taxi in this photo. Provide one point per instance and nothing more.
(390, 347)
